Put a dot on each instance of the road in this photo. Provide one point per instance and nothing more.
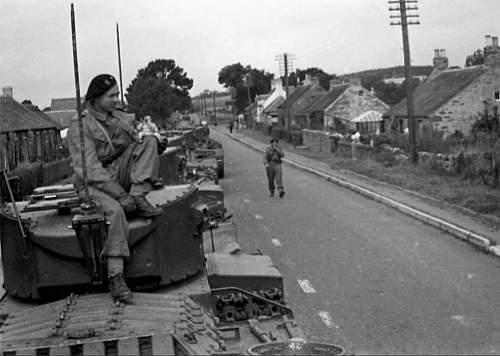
(360, 274)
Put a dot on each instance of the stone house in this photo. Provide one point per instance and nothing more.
(341, 104)
(451, 100)
(259, 101)
(268, 108)
(301, 97)
(270, 112)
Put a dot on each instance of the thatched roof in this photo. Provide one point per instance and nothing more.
(15, 116)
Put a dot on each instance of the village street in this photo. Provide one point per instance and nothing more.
(361, 274)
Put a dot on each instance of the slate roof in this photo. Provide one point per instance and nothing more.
(15, 116)
(307, 99)
(295, 95)
(326, 100)
(262, 97)
(434, 93)
(63, 104)
(273, 107)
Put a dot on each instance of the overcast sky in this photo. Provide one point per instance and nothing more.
(202, 36)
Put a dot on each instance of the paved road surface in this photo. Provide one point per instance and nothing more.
(360, 274)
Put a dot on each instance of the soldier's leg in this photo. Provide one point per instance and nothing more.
(116, 245)
(137, 168)
(279, 180)
(270, 179)
(145, 166)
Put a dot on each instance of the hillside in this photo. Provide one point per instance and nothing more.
(382, 73)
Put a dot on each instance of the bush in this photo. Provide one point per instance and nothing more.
(379, 140)
(296, 137)
(279, 132)
(30, 176)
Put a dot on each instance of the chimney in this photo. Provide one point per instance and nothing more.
(487, 41)
(7, 91)
(307, 80)
(277, 84)
(440, 61)
(492, 52)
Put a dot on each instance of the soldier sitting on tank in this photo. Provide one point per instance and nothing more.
(120, 171)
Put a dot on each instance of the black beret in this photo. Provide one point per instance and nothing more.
(99, 85)
(274, 139)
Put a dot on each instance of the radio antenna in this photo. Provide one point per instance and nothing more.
(86, 198)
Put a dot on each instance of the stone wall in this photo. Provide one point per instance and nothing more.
(317, 141)
(325, 142)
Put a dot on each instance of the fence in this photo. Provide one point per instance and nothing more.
(28, 147)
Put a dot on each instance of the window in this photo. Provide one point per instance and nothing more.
(497, 95)
(360, 93)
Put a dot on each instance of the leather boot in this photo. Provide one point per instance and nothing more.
(144, 208)
(118, 289)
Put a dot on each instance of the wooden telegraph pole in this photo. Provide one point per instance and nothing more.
(215, 110)
(285, 62)
(248, 82)
(403, 17)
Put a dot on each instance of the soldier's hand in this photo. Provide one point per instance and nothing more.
(127, 203)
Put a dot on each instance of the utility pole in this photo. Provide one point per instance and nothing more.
(248, 82)
(119, 64)
(285, 62)
(404, 22)
(215, 110)
(204, 104)
(232, 91)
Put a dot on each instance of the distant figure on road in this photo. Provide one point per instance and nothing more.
(272, 162)
(231, 127)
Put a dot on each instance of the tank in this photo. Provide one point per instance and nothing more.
(195, 291)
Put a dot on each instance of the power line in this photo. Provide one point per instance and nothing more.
(404, 20)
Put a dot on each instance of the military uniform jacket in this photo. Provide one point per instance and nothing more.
(100, 149)
(273, 155)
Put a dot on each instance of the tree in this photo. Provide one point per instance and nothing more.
(231, 76)
(159, 89)
(324, 78)
(29, 104)
(475, 58)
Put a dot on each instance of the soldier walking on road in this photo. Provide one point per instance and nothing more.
(272, 162)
